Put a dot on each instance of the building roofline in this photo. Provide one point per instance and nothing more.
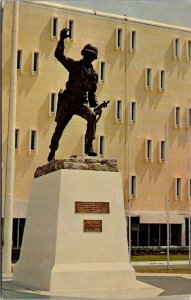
(105, 14)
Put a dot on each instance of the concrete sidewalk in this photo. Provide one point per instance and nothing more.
(174, 286)
(182, 264)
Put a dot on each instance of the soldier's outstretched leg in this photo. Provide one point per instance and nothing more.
(61, 124)
(86, 113)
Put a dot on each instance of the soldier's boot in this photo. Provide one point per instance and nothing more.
(51, 156)
(89, 148)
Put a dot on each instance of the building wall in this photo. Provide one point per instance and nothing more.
(125, 81)
(155, 50)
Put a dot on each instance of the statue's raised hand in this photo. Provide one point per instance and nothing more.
(64, 34)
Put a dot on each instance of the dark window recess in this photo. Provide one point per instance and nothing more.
(149, 77)
(53, 96)
(119, 38)
(162, 150)
(71, 29)
(19, 56)
(177, 43)
(119, 109)
(133, 111)
(33, 139)
(16, 138)
(133, 185)
(35, 65)
(101, 145)
(162, 79)
(55, 26)
(133, 41)
(102, 71)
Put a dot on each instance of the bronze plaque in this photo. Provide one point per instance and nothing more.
(92, 207)
(92, 225)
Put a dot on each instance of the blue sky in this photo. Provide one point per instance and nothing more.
(176, 12)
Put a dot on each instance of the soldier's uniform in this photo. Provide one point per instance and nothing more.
(80, 90)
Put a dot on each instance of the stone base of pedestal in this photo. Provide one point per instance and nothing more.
(75, 239)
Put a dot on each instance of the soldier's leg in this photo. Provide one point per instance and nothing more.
(63, 119)
(85, 112)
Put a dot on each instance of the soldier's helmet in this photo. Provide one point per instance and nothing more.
(90, 49)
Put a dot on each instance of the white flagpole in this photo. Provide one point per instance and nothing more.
(167, 191)
(9, 192)
(189, 201)
(129, 187)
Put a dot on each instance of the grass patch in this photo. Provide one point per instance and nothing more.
(174, 271)
(158, 257)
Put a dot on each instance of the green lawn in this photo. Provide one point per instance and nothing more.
(176, 271)
(158, 257)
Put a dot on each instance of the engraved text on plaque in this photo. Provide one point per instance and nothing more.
(92, 207)
(92, 225)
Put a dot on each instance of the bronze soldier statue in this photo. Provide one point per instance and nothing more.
(80, 89)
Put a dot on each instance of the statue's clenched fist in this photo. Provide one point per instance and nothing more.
(64, 34)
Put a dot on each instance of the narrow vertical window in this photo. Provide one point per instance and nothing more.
(119, 38)
(102, 71)
(178, 188)
(54, 27)
(70, 26)
(133, 186)
(35, 67)
(33, 140)
(17, 138)
(177, 117)
(176, 48)
(162, 151)
(148, 150)
(52, 103)
(189, 117)
(102, 145)
(148, 78)
(19, 59)
(133, 40)
(133, 112)
(162, 80)
(118, 110)
(177, 43)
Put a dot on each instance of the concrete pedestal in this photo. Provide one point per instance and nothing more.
(71, 249)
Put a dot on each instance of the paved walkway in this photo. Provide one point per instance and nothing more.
(161, 264)
(177, 263)
(175, 286)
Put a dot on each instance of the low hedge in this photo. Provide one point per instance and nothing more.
(155, 250)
